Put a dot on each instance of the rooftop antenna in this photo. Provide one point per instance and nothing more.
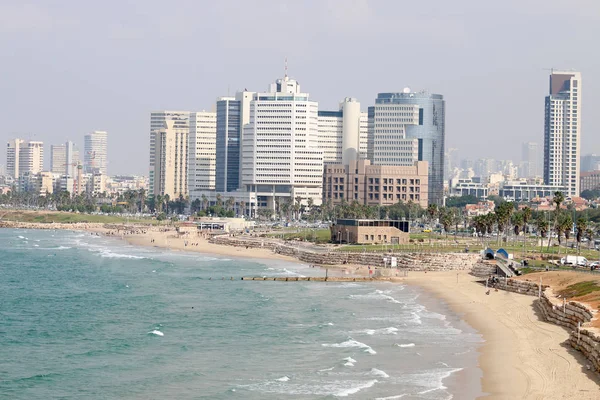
(285, 68)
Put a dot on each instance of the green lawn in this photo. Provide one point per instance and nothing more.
(67, 217)
(311, 235)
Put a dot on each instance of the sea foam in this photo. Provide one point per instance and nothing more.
(355, 389)
(156, 332)
(352, 343)
(379, 373)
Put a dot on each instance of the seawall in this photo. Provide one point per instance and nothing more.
(406, 261)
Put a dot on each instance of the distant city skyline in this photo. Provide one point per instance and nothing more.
(486, 73)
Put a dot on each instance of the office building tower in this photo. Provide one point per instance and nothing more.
(95, 147)
(12, 157)
(64, 158)
(72, 160)
(343, 134)
(531, 160)
(590, 162)
(24, 157)
(280, 154)
(170, 159)
(158, 120)
(562, 131)
(202, 151)
(232, 115)
(58, 159)
(410, 126)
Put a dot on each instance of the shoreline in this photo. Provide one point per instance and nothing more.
(521, 356)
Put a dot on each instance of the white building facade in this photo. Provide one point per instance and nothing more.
(24, 157)
(562, 131)
(95, 146)
(343, 133)
(280, 154)
(202, 152)
(158, 120)
(170, 160)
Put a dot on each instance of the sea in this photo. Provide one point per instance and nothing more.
(91, 317)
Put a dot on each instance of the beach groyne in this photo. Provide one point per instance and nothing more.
(405, 261)
(573, 316)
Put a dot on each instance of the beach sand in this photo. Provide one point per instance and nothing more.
(522, 357)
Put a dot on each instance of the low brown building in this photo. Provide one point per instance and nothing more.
(378, 185)
(370, 231)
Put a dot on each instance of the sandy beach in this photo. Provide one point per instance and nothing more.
(522, 357)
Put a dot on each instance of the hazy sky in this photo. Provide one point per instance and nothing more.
(69, 67)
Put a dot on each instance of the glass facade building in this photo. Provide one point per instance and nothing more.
(228, 144)
(427, 127)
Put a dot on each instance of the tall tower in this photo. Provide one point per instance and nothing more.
(12, 157)
(95, 146)
(170, 160)
(158, 120)
(202, 152)
(562, 131)
(410, 126)
(280, 154)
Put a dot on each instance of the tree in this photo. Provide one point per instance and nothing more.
(590, 194)
(460, 201)
(195, 206)
(142, 197)
(219, 200)
(432, 211)
(563, 226)
(517, 221)
(446, 219)
(204, 202)
(558, 199)
(243, 207)
(526, 212)
(581, 229)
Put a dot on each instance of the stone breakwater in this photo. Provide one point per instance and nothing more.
(77, 226)
(406, 261)
(573, 316)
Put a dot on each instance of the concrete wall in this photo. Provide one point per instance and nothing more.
(406, 261)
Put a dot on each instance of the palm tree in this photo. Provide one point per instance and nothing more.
(542, 228)
(230, 203)
(167, 199)
(563, 226)
(142, 196)
(558, 199)
(526, 218)
(581, 229)
(204, 202)
(219, 200)
(159, 203)
(243, 207)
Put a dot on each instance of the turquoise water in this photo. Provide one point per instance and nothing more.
(88, 317)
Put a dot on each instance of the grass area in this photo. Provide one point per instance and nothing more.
(580, 289)
(67, 217)
(311, 235)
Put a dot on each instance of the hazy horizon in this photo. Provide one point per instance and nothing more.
(72, 67)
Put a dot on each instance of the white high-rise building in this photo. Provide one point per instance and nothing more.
(280, 153)
(24, 157)
(562, 131)
(343, 134)
(64, 158)
(12, 157)
(202, 150)
(170, 160)
(158, 120)
(95, 146)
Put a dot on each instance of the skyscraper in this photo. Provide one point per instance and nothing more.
(202, 151)
(158, 120)
(562, 131)
(170, 159)
(280, 155)
(343, 133)
(24, 157)
(232, 115)
(530, 160)
(95, 152)
(407, 127)
(590, 162)
(64, 158)
(12, 157)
